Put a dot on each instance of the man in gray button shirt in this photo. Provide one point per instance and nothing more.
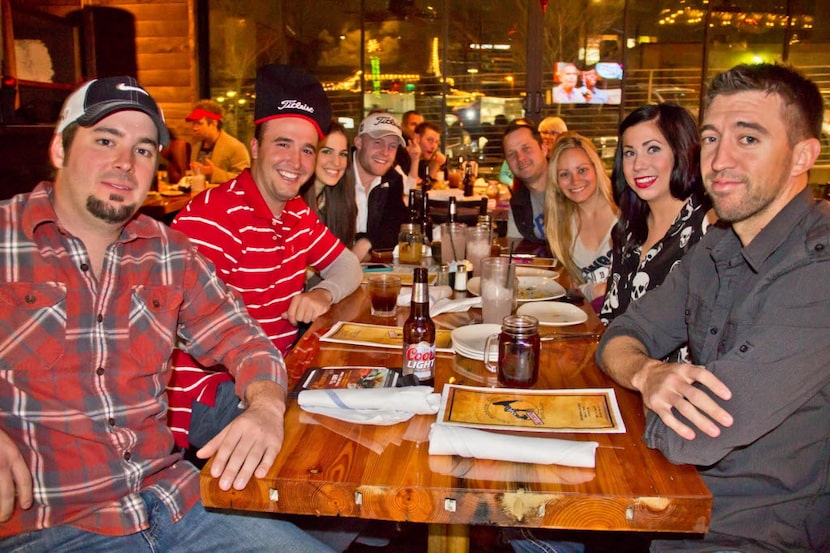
(752, 300)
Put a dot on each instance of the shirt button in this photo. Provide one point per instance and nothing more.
(30, 298)
(156, 303)
(713, 331)
(99, 318)
(743, 348)
(111, 421)
(84, 267)
(127, 456)
(99, 371)
(819, 247)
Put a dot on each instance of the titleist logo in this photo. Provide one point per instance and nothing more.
(385, 121)
(295, 104)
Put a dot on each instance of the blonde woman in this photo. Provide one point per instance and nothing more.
(550, 128)
(580, 213)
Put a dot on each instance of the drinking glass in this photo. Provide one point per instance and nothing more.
(453, 242)
(478, 246)
(383, 292)
(498, 289)
(519, 347)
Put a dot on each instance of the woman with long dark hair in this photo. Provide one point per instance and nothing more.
(663, 207)
(329, 193)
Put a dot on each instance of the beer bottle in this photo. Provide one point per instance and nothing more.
(426, 220)
(414, 215)
(419, 333)
(468, 180)
(453, 209)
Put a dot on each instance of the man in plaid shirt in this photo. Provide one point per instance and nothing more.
(92, 300)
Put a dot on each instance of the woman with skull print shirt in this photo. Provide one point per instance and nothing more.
(663, 207)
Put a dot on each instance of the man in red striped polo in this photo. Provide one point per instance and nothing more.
(262, 237)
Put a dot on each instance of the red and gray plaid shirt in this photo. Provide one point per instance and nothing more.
(84, 363)
(262, 257)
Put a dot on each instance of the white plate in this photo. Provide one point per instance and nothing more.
(478, 355)
(469, 340)
(533, 271)
(474, 286)
(552, 313)
(538, 288)
(531, 288)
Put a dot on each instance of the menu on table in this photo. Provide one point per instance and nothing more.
(352, 377)
(587, 410)
(381, 336)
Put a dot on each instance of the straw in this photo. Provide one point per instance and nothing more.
(452, 241)
(510, 270)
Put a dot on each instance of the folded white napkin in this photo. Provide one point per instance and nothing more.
(449, 305)
(380, 406)
(505, 471)
(446, 439)
(440, 300)
(435, 293)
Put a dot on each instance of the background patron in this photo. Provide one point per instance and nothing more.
(214, 153)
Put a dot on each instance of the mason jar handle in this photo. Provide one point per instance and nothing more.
(492, 367)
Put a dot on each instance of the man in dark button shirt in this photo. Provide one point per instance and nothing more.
(752, 300)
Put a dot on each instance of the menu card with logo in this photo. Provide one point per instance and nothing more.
(379, 336)
(588, 410)
(333, 378)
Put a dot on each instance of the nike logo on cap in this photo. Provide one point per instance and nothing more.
(126, 87)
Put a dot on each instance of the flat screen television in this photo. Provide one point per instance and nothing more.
(596, 84)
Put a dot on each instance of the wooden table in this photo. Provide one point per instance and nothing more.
(330, 468)
(162, 207)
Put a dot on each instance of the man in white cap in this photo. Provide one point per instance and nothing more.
(378, 191)
(94, 297)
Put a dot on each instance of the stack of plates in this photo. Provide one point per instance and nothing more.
(469, 341)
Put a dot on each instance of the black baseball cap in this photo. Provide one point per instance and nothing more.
(285, 91)
(98, 98)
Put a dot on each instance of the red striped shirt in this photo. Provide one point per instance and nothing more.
(261, 256)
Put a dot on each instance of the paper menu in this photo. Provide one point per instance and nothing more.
(379, 336)
(588, 410)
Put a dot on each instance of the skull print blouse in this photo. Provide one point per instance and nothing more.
(630, 279)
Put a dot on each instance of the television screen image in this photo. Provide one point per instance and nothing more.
(588, 85)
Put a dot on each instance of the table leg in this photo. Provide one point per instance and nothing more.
(448, 538)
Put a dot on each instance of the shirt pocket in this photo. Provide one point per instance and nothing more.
(154, 315)
(33, 322)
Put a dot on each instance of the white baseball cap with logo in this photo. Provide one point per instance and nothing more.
(378, 125)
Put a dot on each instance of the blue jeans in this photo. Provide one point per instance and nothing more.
(198, 531)
(522, 540)
(206, 422)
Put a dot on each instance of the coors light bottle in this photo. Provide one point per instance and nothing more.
(419, 333)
